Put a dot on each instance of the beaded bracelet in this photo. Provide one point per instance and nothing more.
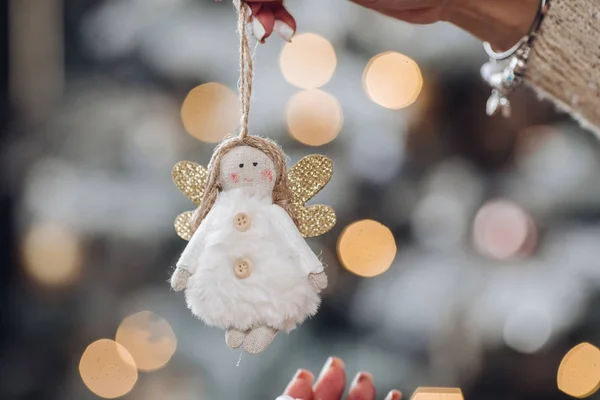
(505, 71)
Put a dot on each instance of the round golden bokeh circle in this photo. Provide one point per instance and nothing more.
(107, 369)
(366, 248)
(392, 80)
(579, 371)
(308, 61)
(314, 117)
(148, 338)
(210, 112)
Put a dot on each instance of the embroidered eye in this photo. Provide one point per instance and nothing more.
(241, 165)
(255, 164)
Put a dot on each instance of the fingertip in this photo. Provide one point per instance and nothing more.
(362, 387)
(394, 395)
(332, 380)
(301, 385)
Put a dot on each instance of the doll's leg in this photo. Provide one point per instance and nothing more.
(234, 338)
(259, 339)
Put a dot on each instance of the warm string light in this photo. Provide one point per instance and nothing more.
(503, 230)
(433, 393)
(392, 80)
(314, 117)
(308, 61)
(52, 255)
(579, 371)
(210, 112)
(366, 248)
(144, 341)
(107, 369)
(148, 338)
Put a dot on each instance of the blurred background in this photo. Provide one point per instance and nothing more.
(480, 271)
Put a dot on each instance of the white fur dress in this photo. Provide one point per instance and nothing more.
(277, 293)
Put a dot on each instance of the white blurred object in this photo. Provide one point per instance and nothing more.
(560, 171)
(441, 219)
(375, 155)
(503, 230)
(527, 329)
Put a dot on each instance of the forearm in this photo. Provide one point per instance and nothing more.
(502, 23)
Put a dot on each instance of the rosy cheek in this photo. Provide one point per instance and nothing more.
(235, 177)
(267, 175)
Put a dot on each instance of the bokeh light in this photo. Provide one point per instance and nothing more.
(149, 339)
(579, 371)
(107, 369)
(308, 62)
(52, 255)
(433, 393)
(503, 230)
(527, 329)
(314, 117)
(392, 80)
(210, 111)
(366, 248)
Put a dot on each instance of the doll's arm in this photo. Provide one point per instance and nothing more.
(289, 231)
(188, 261)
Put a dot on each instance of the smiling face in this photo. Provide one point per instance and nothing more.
(247, 166)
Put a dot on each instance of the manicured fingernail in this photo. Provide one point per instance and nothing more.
(284, 397)
(284, 30)
(394, 395)
(332, 362)
(304, 375)
(258, 29)
(361, 377)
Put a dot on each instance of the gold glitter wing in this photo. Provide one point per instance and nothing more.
(182, 225)
(306, 179)
(190, 178)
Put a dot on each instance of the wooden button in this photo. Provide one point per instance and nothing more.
(242, 269)
(241, 222)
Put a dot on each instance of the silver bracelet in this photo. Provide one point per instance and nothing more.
(505, 71)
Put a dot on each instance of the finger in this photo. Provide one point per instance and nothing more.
(285, 24)
(394, 395)
(300, 387)
(362, 388)
(332, 380)
(262, 23)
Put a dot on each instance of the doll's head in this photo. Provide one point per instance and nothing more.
(247, 166)
(246, 161)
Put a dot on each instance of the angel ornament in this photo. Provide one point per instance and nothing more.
(247, 268)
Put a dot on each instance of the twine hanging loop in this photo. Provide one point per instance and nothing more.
(246, 71)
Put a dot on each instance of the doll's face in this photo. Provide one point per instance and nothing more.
(247, 166)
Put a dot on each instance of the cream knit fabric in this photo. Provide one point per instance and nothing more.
(565, 62)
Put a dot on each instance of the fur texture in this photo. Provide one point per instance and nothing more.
(278, 293)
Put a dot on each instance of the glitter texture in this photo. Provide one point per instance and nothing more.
(306, 179)
(190, 178)
(182, 225)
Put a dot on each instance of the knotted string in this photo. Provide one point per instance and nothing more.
(246, 72)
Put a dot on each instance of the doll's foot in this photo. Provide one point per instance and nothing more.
(259, 339)
(318, 281)
(234, 338)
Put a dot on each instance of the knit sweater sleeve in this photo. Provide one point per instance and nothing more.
(565, 62)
